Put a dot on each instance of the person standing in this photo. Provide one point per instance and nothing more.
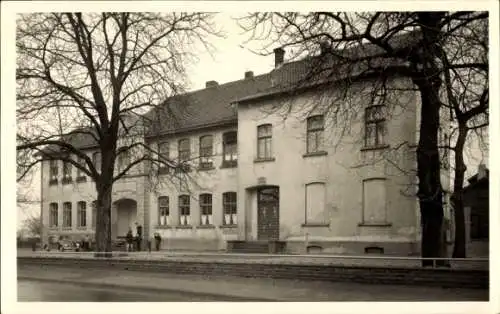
(139, 236)
(130, 240)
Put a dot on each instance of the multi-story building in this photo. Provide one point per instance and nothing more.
(309, 169)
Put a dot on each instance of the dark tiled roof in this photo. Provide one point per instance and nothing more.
(212, 105)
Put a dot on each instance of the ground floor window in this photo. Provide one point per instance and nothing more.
(374, 201)
(82, 214)
(184, 210)
(229, 204)
(53, 215)
(163, 211)
(67, 217)
(206, 209)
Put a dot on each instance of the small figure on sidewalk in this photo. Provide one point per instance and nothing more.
(138, 236)
(130, 240)
(157, 238)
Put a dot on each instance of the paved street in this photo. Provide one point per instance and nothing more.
(106, 285)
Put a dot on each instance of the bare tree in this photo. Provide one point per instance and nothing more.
(86, 81)
(382, 45)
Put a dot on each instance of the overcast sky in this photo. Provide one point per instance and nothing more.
(230, 60)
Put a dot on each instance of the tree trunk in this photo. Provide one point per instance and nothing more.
(428, 170)
(104, 186)
(459, 250)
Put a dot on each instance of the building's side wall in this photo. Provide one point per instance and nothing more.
(342, 170)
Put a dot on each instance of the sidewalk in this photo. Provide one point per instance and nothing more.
(214, 257)
(247, 289)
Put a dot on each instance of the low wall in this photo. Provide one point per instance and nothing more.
(450, 278)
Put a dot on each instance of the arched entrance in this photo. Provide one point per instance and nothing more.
(125, 213)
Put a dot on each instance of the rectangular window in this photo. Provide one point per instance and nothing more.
(67, 218)
(230, 149)
(315, 203)
(164, 156)
(206, 151)
(184, 210)
(123, 157)
(229, 204)
(82, 214)
(315, 130)
(264, 141)
(374, 201)
(206, 209)
(184, 150)
(53, 215)
(163, 211)
(94, 214)
(375, 126)
(79, 172)
(54, 170)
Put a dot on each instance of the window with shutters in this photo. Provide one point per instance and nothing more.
(315, 203)
(374, 201)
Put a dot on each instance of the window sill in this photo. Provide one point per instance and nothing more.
(53, 182)
(375, 224)
(205, 227)
(206, 168)
(371, 148)
(313, 225)
(228, 226)
(164, 227)
(55, 228)
(257, 160)
(81, 228)
(81, 179)
(184, 227)
(228, 165)
(312, 154)
(66, 228)
(67, 181)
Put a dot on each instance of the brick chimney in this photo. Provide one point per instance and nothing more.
(248, 74)
(210, 84)
(279, 57)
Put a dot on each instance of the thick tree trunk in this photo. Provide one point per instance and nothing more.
(104, 200)
(459, 250)
(429, 176)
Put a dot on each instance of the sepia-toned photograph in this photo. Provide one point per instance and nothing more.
(180, 155)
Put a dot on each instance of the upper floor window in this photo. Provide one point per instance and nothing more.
(96, 159)
(164, 156)
(375, 127)
(315, 131)
(53, 215)
(230, 148)
(163, 211)
(184, 150)
(82, 214)
(264, 141)
(67, 169)
(229, 205)
(67, 215)
(54, 170)
(206, 209)
(184, 210)
(79, 172)
(206, 151)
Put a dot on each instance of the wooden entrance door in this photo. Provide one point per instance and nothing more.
(268, 222)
